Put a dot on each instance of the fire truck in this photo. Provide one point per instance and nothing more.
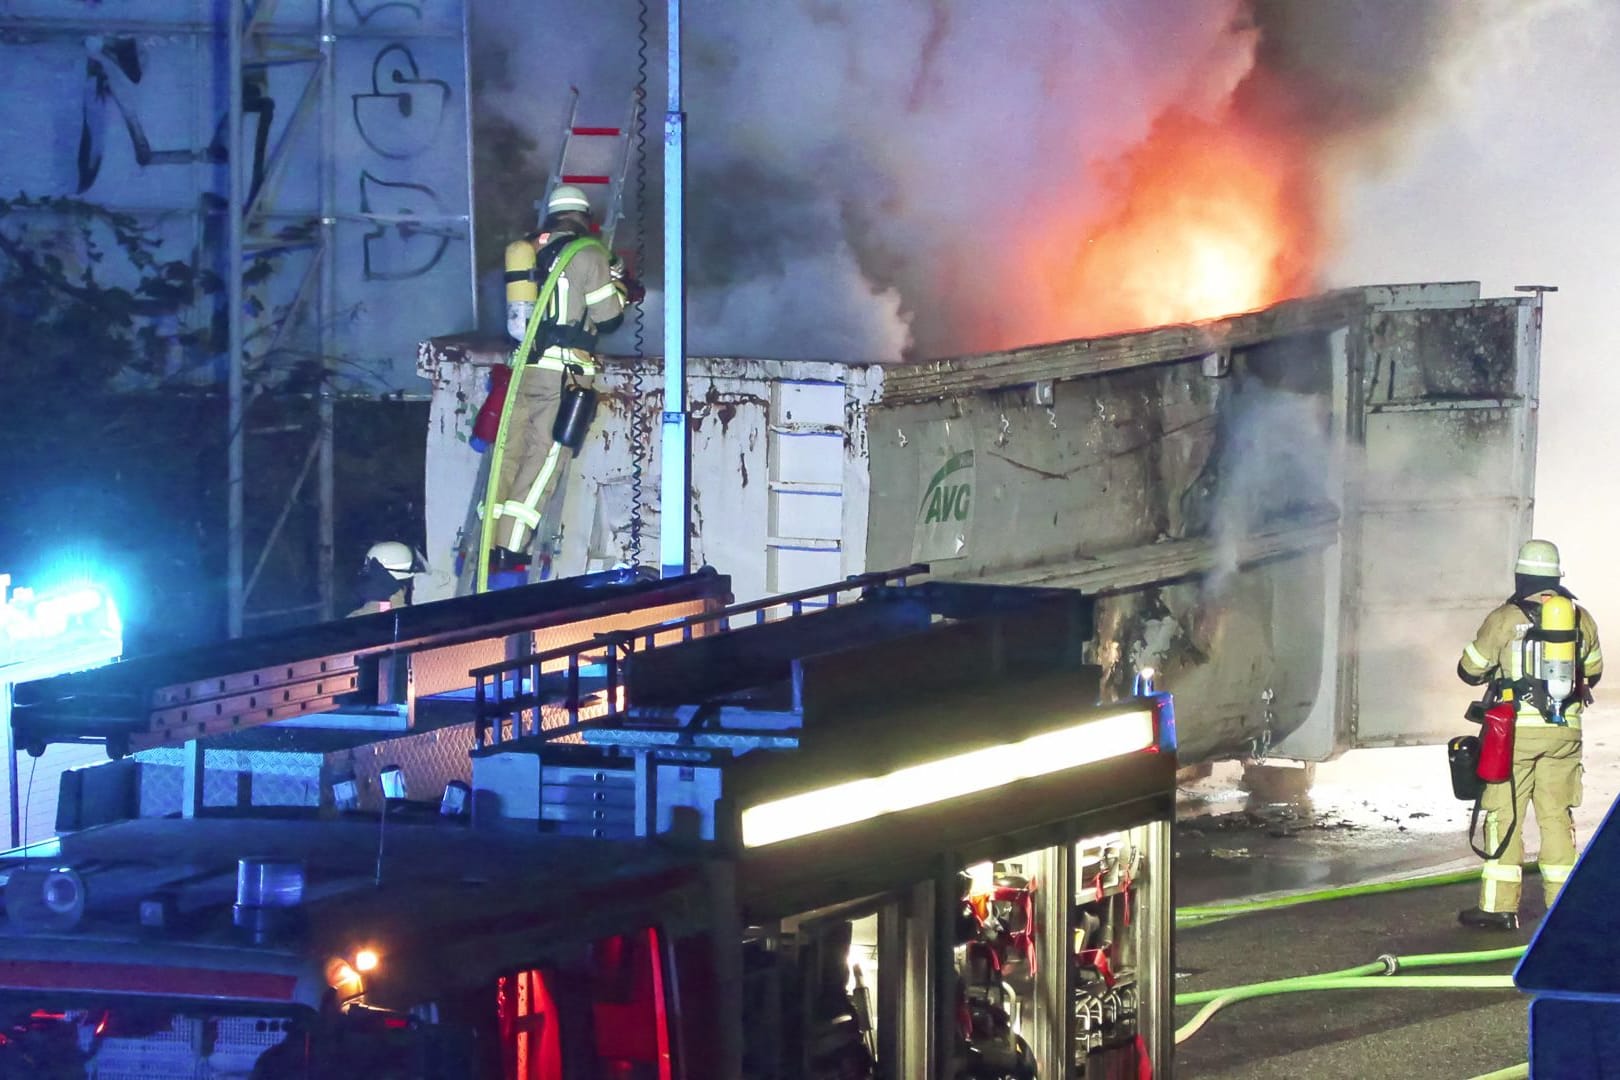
(609, 826)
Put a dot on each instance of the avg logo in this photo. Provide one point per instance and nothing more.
(945, 501)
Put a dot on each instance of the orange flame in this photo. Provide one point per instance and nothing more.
(1203, 219)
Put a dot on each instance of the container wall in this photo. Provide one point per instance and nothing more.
(1444, 500)
(779, 486)
(1195, 496)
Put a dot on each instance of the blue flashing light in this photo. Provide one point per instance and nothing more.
(1164, 720)
(67, 628)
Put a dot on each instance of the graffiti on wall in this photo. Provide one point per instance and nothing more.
(134, 121)
(400, 118)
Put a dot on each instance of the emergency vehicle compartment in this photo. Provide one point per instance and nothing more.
(949, 859)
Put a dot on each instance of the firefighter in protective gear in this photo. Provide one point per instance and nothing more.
(387, 577)
(1512, 651)
(589, 299)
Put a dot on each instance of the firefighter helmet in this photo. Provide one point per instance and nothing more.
(398, 559)
(566, 197)
(1539, 558)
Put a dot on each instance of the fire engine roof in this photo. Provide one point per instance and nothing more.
(402, 628)
(96, 703)
(454, 906)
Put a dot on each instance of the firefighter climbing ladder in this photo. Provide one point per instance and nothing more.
(480, 520)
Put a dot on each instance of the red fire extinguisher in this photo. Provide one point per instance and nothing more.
(1495, 766)
(1496, 744)
(488, 422)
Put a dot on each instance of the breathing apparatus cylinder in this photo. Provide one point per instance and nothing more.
(1556, 653)
(522, 290)
(1496, 743)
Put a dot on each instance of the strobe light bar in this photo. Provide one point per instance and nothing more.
(916, 786)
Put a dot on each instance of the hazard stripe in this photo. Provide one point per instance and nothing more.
(515, 509)
(1556, 874)
(1529, 565)
(1476, 657)
(1495, 871)
(1532, 718)
(596, 296)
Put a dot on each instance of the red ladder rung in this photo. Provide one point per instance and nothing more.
(585, 179)
(596, 131)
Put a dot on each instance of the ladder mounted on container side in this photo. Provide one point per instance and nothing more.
(582, 164)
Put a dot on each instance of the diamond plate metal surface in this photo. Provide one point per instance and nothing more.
(429, 760)
(230, 777)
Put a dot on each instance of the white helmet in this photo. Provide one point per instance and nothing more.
(1539, 558)
(566, 197)
(398, 559)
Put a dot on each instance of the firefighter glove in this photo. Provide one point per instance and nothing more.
(633, 291)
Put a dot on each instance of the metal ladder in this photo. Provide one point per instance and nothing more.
(619, 163)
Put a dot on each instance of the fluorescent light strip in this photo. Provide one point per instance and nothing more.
(965, 774)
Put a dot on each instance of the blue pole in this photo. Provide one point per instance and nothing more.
(674, 502)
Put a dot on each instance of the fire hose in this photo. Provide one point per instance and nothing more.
(1379, 974)
(1209, 914)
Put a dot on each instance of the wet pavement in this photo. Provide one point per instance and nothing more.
(1372, 815)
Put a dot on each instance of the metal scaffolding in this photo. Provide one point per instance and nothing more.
(288, 363)
(251, 50)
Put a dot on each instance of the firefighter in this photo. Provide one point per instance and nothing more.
(1547, 735)
(590, 298)
(387, 577)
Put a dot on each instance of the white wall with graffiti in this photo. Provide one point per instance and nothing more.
(114, 180)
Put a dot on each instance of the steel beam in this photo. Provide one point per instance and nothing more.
(236, 594)
(674, 494)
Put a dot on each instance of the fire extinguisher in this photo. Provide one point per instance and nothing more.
(1491, 758)
(1496, 744)
(488, 422)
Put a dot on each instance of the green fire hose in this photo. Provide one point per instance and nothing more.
(1208, 914)
(1382, 967)
(519, 362)
(1379, 974)
(1363, 982)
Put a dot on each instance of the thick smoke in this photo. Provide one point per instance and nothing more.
(1345, 70)
(878, 179)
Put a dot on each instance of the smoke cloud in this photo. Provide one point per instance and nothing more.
(884, 180)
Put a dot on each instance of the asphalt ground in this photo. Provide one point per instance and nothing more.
(1373, 815)
(1350, 1033)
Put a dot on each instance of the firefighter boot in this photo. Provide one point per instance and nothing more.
(506, 561)
(1480, 919)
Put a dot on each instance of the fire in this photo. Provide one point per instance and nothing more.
(1202, 219)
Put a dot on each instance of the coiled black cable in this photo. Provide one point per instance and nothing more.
(638, 434)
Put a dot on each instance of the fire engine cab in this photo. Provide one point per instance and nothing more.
(606, 827)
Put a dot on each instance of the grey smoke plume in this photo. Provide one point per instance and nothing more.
(878, 179)
(1346, 69)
